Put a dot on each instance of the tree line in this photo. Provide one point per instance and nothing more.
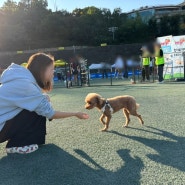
(30, 24)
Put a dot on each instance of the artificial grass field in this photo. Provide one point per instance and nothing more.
(76, 152)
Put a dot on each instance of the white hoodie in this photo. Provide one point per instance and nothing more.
(18, 91)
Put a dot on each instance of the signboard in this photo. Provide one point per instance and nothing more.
(173, 47)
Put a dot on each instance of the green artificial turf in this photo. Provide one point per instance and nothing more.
(76, 152)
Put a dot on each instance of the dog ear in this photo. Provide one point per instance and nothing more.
(99, 100)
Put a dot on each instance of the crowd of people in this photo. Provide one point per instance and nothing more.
(73, 73)
(151, 64)
(150, 60)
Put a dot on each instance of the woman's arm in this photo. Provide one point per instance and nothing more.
(59, 115)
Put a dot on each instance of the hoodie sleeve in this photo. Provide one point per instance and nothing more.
(32, 99)
(44, 108)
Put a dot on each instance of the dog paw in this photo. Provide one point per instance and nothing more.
(103, 130)
(125, 126)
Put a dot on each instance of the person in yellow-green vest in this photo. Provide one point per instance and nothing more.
(145, 63)
(159, 61)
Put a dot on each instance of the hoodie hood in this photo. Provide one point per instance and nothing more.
(15, 72)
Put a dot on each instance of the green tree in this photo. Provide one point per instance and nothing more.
(9, 7)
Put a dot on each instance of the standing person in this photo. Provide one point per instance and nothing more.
(59, 75)
(145, 63)
(75, 68)
(24, 108)
(159, 61)
(104, 71)
(119, 67)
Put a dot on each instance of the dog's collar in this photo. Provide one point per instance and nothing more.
(107, 104)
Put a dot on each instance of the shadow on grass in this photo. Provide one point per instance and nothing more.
(143, 87)
(129, 174)
(170, 153)
(53, 166)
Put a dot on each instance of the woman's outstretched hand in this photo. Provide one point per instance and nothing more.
(82, 115)
(59, 115)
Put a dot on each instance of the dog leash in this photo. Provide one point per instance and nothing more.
(107, 104)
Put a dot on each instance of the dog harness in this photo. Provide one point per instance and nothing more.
(107, 104)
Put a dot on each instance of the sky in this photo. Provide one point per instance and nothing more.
(125, 5)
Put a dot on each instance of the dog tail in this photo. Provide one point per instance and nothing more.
(137, 105)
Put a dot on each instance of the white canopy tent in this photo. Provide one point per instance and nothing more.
(96, 66)
(99, 66)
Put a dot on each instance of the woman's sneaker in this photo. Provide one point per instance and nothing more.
(22, 150)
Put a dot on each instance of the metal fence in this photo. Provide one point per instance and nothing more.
(108, 77)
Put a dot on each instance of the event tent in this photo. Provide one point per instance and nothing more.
(24, 64)
(99, 66)
(60, 63)
(96, 66)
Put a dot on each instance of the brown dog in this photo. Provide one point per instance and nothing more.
(112, 105)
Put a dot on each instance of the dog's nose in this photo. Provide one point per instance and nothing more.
(86, 107)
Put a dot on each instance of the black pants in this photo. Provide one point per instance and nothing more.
(160, 72)
(26, 128)
(145, 73)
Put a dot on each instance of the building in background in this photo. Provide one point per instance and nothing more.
(148, 12)
(182, 5)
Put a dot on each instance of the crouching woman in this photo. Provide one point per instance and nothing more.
(23, 106)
